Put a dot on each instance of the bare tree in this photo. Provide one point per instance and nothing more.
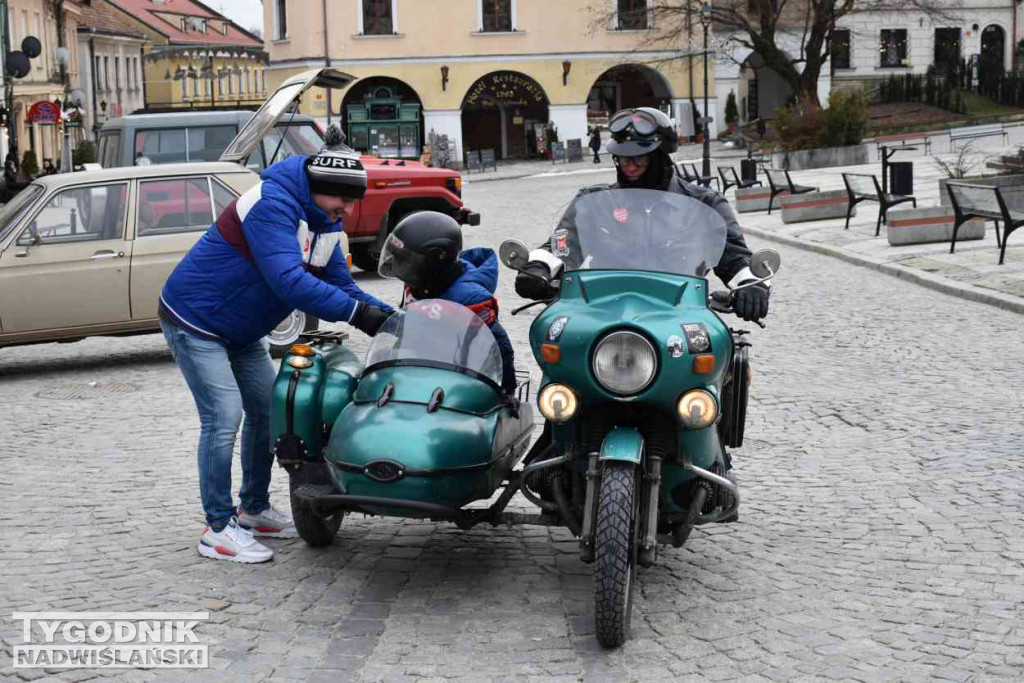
(767, 27)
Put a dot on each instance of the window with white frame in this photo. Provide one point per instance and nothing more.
(496, 16)
(117, 73)
(632, 15)
(892, 47)
(378, 17)
(280, 19)
(98, 73)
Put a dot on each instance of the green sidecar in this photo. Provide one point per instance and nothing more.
(421, 430)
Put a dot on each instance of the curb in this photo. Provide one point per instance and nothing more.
(938, 283)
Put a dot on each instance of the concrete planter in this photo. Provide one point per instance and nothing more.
(822, 157)
(993, 181)
(815, 206)
(931, 224)
(755, 199)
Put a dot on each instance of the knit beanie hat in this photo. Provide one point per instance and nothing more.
(336, 173)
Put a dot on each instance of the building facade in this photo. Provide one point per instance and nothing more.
(195, 58)
(489, 74)
(38, 18)
(111, 53)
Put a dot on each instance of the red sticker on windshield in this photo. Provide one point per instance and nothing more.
(621, 214)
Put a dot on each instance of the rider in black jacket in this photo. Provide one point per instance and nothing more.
(642, 142)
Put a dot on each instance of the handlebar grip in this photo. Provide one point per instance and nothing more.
(721, 302)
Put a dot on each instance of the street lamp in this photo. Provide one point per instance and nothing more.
(63, 59)
(705, 20)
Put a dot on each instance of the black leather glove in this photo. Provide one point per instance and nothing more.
(368, 319)
(533, 281)
(751, 303)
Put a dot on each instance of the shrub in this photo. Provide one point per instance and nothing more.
(29, 164)
(85, 153)
(845, 120)
(798, 126)
(732, 113)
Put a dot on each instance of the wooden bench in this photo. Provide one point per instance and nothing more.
(986, 202)
(907, 139)
(863, 187)
(778, 187)
(737, 182)
(690, 175)
(974, 132)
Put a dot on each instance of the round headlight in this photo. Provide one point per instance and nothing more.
(625, 363)
(557, 403)
(697, 409)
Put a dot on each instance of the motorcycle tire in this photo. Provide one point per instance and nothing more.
(615, 553)
(314, 530)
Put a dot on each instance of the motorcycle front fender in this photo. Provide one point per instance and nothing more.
(622, 444)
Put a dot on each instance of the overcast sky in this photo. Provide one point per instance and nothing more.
(246, 13)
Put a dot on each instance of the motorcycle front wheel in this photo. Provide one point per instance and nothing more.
(615, 553)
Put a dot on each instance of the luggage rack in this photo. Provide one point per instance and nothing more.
(321, 336)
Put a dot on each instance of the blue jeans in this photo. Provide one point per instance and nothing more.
(227, 383)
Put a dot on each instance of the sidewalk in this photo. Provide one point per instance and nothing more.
(971, 273)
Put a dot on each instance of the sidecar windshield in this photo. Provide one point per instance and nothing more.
(640, 230)
(433, 332)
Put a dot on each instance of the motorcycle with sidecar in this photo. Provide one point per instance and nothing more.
(643, 388)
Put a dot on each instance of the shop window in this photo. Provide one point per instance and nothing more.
(893, 47)
(496, 16)
(632, 15)
(840, 49)
(378, 18)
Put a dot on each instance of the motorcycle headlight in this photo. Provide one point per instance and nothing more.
(625, 363)
(697, 409)
(557, 402)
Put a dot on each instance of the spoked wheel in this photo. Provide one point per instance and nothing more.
(314, 530)
(615, 551)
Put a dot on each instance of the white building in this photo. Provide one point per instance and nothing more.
(110, 51)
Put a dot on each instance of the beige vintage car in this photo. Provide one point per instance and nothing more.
(85, 254)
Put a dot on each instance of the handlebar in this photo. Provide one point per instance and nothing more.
(721, 302)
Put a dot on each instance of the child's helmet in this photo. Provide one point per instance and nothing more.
(423, 252)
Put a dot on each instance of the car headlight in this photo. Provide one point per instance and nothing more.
(557, 402)
(625, 363)
(697, 409)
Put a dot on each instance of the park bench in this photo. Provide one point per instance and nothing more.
(864, 187)
(691, 175)
(726, 171)
(905, 140)
(778, 187)
(975, 132)
(988, 203)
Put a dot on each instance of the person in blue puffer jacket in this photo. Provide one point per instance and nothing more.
(425, 252)
(273, 250)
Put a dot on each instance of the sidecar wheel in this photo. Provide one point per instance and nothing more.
(615, 553)
(316, 532)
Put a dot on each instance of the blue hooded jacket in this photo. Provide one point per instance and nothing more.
(270, 252)
(477, 285)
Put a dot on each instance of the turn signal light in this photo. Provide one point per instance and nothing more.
(301, 350)
(557, 402)
(550, 353)
(704, 364)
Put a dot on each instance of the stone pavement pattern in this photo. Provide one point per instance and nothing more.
(880, 538)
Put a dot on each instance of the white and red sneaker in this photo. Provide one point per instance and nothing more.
(271, 523)
(234, 544)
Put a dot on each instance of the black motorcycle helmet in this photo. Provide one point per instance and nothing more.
(423, 252)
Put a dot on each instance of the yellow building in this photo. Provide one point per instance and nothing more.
(486, 73)
(37, 18)
(195, 58)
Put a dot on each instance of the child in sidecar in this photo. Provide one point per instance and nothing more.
(425, 252)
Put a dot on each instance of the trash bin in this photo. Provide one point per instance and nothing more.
(748, 169)
(901, 177)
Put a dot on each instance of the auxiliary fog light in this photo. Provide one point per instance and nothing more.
(557, 402)
(697, 409)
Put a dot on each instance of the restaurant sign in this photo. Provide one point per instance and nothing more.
(505, 89)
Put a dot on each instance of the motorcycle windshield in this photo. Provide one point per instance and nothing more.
(640, 230)
(437, 333)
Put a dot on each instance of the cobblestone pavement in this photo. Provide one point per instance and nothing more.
(881, 535)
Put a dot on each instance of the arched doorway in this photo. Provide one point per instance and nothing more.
(993, 47)
(505, 111)
(384, 117)
(627, 86)
(761, 90)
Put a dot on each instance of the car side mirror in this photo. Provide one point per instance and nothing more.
(513, 254)
(765, 263)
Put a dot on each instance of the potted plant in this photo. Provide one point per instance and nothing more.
(731, 111)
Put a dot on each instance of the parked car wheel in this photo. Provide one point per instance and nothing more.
(289, 331)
